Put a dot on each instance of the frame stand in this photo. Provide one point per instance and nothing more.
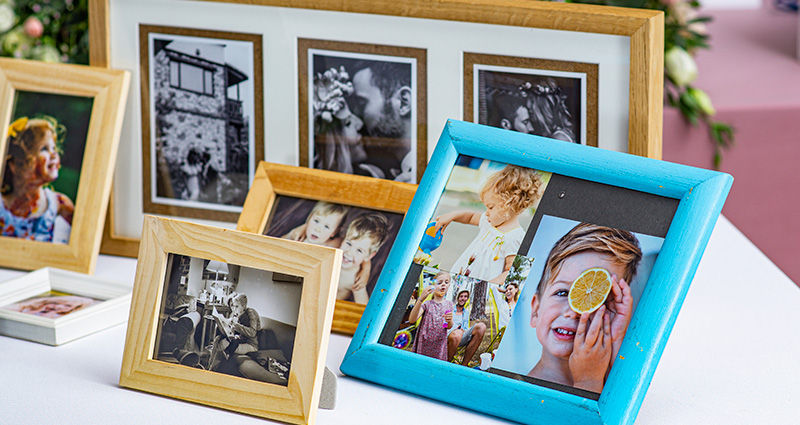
(327, 398)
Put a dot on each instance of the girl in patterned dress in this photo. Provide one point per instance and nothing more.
(29, 209)
(437, 318)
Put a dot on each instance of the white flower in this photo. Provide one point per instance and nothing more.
(680, 66)
(7, 17)
(46, 53)
(703, 101)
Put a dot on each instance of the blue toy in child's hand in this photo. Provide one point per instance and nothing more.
(431, 239)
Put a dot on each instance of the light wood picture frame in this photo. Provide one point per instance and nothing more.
(75, 305)
(274, 181)
(678, 202)
(630, 38)
(294, 401)
(96, 99)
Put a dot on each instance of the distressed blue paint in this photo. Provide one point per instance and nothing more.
(702, 193)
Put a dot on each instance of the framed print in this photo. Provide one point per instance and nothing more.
(53, 306)
(202, 120)
(244, 330)
(564, 315)
(345, 89)
(554, 99)
(623, 43)
(360, 215)
(59, 148)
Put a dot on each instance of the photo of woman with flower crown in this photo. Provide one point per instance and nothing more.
(42, 166)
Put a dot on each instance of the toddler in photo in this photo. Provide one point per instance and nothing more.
(29, 207)
(321, 226)
(364, 237)
(505, 194)
(437, 318)
(578, 350)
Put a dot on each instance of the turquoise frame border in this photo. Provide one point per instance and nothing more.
(701, 193)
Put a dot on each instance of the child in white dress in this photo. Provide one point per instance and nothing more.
(506, 194)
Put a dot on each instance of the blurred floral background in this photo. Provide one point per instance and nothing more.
(45, 30)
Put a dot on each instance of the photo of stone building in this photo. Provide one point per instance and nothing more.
(201, 136)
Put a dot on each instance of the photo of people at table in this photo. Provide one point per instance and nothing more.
(365, 237)
(228, 319)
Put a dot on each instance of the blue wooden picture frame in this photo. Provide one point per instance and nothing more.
(701, 194)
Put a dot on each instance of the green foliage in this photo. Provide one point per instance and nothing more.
(683, 29)
(45, 30)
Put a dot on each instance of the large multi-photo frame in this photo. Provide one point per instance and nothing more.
(546, 214)
(434, 46)
(230, 319)
(358, 214)
(63, 126)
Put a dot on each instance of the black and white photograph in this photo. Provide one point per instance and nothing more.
(228, 319)
(204, 101)
(362, 112)
(537, 98)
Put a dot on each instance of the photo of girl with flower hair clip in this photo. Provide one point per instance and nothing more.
(33, 205)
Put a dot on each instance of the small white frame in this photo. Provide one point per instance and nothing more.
(56, 331)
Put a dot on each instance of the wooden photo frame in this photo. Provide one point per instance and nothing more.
(403, 69)
(555, 99)
(202, 120)
(673, 207)
(353, 195)
(76, 111)
(53, 306)
(624, 42)
(282, 378)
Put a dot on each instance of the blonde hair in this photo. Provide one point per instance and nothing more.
(621, 244)
(446, 273)
(327, 208)
(516, 187)
(372, 225)
(25, 143)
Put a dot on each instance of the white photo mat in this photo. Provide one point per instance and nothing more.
(445, 41)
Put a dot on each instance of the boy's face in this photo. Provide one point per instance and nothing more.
(442, 283)
(322, 227)
(554, 321)
(496, 212)
(356, 250)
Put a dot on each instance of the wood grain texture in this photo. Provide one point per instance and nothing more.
(644, 27)
(109, 90)
(274, 180)
(701, 193)
(99, 45)
(319, 267)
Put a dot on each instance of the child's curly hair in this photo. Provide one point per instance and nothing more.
(25, 138)
(517, 187)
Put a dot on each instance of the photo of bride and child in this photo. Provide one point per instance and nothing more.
(364, 236)
(44, 152)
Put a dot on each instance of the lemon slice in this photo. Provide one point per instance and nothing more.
(590, 290)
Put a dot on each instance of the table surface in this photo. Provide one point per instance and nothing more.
(729, 360)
